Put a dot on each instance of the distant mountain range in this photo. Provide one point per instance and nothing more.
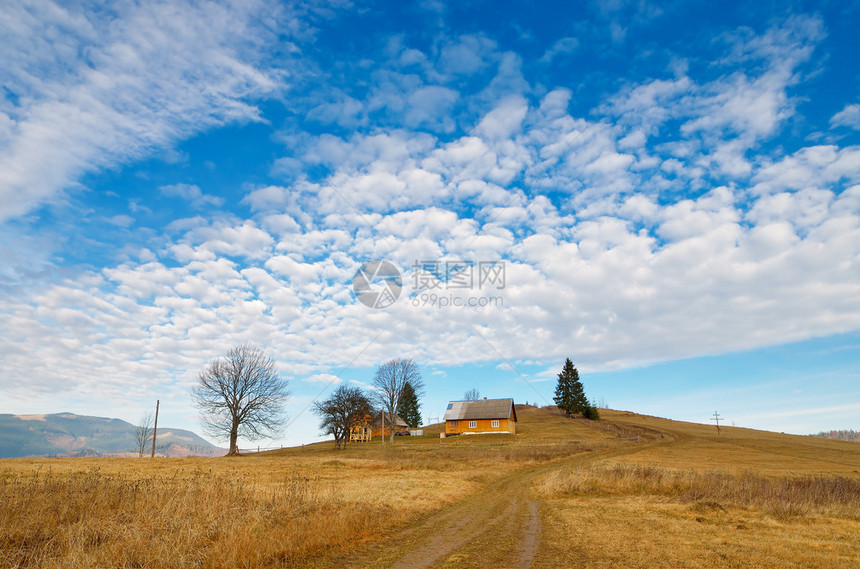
(67, 434)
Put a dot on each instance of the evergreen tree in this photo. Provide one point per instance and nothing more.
(408, 407)
(569, 394)
(591, 412)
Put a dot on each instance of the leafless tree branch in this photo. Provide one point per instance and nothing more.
(346, 408)
(241, 395)
(390, 379)
(143, 433)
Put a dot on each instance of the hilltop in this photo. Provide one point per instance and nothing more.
(71, 435)
(626, 491)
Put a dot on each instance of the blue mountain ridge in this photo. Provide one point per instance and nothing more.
(68, 434)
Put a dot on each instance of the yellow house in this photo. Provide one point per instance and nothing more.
(481, 416)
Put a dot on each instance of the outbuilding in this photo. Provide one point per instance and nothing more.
(382, 424)
(370, 427)
(481, 416)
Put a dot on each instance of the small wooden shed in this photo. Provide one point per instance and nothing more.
(481, 416)
(362, 432)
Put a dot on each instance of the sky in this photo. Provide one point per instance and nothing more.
(667, 193)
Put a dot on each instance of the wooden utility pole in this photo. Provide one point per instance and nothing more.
(717, 418)
(155, 427)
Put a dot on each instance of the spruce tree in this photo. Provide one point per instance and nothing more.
(569, 394)
(408, 407)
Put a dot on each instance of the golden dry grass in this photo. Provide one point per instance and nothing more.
(692, 498)
(293, 507)
(657, 493)
(738, 450)
(781, 497)
(254, 511)
(642, 531)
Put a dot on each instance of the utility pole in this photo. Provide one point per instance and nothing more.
(717, 418)
(155, 427)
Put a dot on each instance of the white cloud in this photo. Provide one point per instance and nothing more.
(723, 118)
(809, 167)
(431, 106)
(563, 46)
(467, 55)
(504, 121)
(848, 117)
(121, 220)
(268, 198)
(153, 74)
(326, 378)
(224, 238)
(192, 194)
(346, 112)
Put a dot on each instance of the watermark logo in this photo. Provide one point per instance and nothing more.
(449, 275)
(435, 300)
(442, 284)
(377, 284)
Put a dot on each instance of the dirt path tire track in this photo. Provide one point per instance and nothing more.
(466, 522)
(531, 537)
(497, 527)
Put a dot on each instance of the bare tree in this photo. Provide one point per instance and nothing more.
(390, 379)
(346, 408)
(241, 395)
(143, 433)
(472, 395)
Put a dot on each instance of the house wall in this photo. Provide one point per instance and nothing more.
(482, 426)
(377, 430)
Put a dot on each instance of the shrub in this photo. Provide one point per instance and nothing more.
(591, 412)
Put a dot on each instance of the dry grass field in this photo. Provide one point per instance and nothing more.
(691, 498)
(630, 491)
(254, 511)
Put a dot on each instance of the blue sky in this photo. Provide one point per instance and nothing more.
(671, 188)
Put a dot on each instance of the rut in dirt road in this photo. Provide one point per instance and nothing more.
(531, 537)
(498, 527)
(501, 518)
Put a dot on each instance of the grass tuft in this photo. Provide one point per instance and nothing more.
(782, 497)
(202, 520)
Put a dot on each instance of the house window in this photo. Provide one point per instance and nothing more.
(494, 424)
(455, 423)
(473, 424)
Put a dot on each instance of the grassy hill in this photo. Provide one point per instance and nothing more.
(67, 434)
(627, 491)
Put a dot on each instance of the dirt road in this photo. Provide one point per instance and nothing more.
(497, 527)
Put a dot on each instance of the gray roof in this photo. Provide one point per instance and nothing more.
(480, 409)
(378, 420)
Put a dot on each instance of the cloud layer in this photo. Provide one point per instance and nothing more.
(673, 219)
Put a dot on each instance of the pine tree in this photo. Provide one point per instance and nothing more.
(408, 407)
(569, 394)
